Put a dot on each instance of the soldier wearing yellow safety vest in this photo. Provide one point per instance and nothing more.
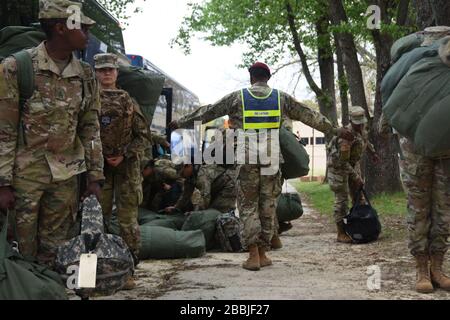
(256, 108)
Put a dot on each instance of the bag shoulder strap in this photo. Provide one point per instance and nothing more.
(358, 196)
(25, 76)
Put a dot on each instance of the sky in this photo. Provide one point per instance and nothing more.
(210, 72)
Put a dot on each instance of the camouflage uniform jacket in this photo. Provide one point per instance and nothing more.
(231, 105)
(347, 160)
(124, 127)
(60, 124)
(217, 186)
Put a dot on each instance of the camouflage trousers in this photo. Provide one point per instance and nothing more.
(427, 183)
(45, 212)
(341, 184)
(257, 201)
(123, 187)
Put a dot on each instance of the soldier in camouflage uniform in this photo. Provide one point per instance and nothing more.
(53, 137)
(427, 182)
(124, 134)
(217, 186)
(160, 176)
(257, 193)
(344, 173)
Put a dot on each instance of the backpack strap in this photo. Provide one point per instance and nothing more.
(25, 76)
(358, 196)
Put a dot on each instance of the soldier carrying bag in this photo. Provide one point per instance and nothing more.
(362, 223)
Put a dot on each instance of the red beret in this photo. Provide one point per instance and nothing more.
(261, 66)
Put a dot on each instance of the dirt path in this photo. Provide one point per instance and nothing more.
(311, 265)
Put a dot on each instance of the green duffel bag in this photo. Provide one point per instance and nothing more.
(143, 85)
(432, 137)
(16, 38)
(206, 222)
(164, 243)
(404, 45)
(23, 279)
(165, 223)
(146, 216)
(296, 159)
(289, 207)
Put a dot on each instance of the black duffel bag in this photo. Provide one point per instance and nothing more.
(362, 223)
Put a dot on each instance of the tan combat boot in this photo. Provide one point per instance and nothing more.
(341, 235)
(276, 242)
(438, 278)
(423, 280)
(263, 260)
(252, 262)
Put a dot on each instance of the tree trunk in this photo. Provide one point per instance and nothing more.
(326, 102)
(424, 13)
(343, 85)
(326, 67)
(441, 12)
(383, 177)
(350, 56)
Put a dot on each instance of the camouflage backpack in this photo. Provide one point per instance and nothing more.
(114, 260)
(228, 232)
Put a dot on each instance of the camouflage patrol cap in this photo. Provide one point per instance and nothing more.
(63, 9)
(106, 60)
(432, 34)
(357, 115)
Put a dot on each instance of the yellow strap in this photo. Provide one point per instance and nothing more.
(262, 113)
(273, 125)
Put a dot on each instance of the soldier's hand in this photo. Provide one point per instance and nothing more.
(346, 134)
(115, 161)
(7, 199)
(93, 188)
(174, 125)
(167, 187)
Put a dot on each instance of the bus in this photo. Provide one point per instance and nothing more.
(176, 100)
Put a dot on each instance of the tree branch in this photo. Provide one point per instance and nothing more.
(301, 53)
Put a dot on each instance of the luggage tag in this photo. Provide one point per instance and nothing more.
(87, 273)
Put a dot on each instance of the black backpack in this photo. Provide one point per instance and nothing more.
(362, 223)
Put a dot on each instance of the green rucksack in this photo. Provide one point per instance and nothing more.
(296, 159)
(289, 207)
(23, 279)
(13, 42)
(142, 85)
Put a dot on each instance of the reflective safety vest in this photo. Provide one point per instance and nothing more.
(261, 112)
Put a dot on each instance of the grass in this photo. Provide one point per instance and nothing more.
(322, 198)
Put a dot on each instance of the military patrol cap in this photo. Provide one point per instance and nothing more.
(432, 34)
(62, 9)
(106, 60)
(357, 115)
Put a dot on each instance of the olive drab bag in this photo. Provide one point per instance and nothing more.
(289, 207)
(296, 159)
(23, 279)
(143, 85)
(14, 41)
(115, 263)
(362, 223)
(228, 232)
